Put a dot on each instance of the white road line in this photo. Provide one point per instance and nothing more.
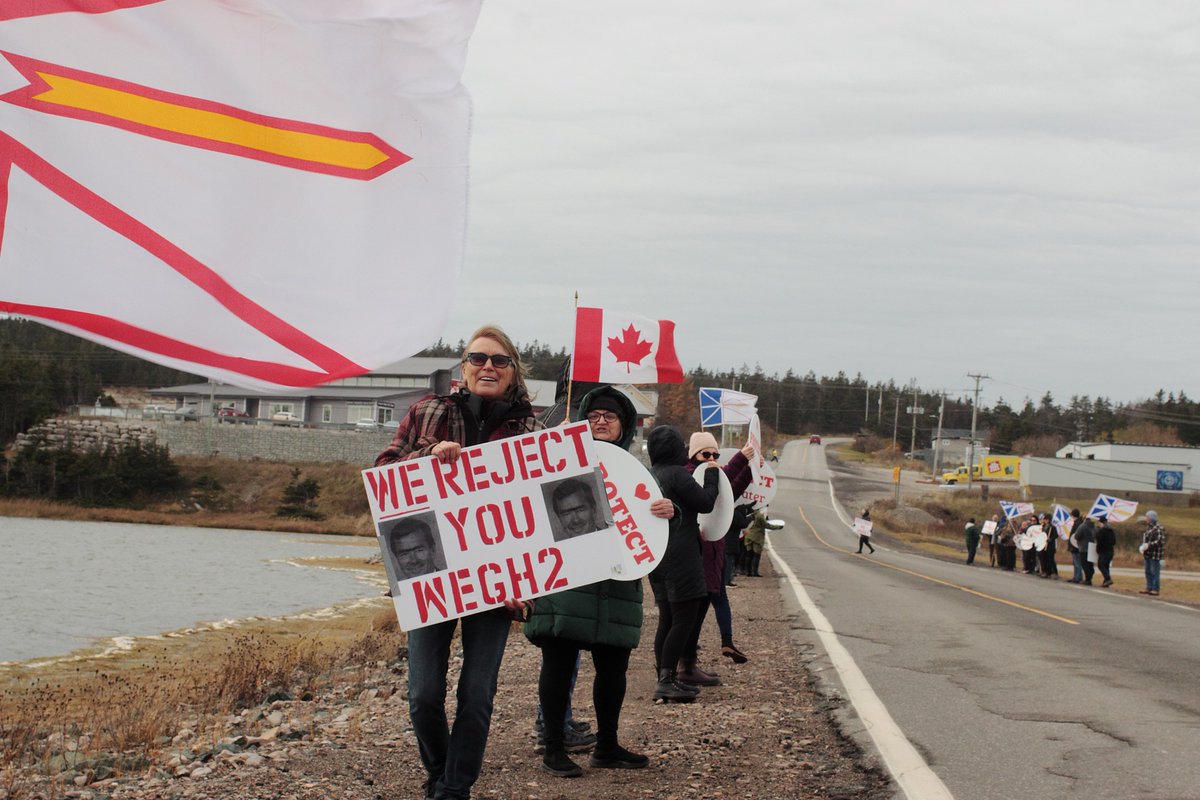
(911, 773)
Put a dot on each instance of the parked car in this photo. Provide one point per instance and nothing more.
(232, 415)
(814, 439)
(391, 424)
(284, 418)
(366, 424)
(189, 414)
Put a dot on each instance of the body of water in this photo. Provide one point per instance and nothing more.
(67, 585)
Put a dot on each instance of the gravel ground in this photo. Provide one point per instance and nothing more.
(766, 732)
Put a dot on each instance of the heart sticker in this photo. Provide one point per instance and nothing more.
(641, 492)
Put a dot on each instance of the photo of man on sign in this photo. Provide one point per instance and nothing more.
(577, 509)
(413, 546)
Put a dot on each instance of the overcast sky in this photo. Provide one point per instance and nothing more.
(905, 190)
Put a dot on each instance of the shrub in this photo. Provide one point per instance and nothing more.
(300, 498)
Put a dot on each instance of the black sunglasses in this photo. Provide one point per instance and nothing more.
(499, 361)
(708, 454)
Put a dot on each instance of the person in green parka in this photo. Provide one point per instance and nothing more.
(604, 618)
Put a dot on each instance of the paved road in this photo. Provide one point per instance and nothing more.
(1011, 687)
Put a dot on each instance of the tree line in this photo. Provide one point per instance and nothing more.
(44, 371)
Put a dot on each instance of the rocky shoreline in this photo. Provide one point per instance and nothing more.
(766, 732)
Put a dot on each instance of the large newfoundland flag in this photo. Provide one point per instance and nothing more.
(616, 347)
(250, 190)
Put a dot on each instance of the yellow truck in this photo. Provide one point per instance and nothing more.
(990, 468)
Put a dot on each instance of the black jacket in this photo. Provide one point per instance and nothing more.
(680, 574)
(1106, 539)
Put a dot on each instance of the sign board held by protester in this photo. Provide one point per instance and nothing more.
(511, 519)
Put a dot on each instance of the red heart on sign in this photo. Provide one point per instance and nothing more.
(641, 492)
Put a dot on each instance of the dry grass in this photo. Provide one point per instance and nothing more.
(248, 494)
(112, 716)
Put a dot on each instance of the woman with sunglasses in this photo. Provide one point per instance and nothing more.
(678, 580)
(493, 404)
(604, 618)
(702, 449)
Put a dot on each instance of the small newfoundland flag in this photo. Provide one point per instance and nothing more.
(615, 347)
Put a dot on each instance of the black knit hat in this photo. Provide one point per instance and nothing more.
(605, 402)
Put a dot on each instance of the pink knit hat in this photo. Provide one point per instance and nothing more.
(701, 440)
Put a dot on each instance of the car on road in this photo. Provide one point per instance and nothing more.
(232, 415)
(284, 418)
(366, 424)
(814, 439)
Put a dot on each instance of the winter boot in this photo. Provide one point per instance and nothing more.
(669, 689)
(558, 763)
(687, 672)
(617, 757)
(754, 561)
(730, 651)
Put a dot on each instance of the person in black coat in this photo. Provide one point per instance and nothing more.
(678, 580)
(1106, 543)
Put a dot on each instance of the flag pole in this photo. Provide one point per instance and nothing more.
(571, 371)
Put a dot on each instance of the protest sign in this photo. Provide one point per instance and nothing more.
(862, 527)
(754, 439)
(715, 524)
(511, 519)
(762, 490)
(989, 527)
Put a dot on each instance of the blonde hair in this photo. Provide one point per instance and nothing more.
(498, 336)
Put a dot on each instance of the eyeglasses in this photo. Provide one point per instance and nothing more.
(607, 416)
(499, 361)
(709, 454)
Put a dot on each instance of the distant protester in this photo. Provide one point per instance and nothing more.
(1153, 548)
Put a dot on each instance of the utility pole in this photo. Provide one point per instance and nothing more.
(937, 451)
(867, 407)
(974, 418)
(912, 448)
(879, 403)
(896, 421)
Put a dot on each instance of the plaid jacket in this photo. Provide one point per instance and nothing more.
(440, 419)
(1155, 539)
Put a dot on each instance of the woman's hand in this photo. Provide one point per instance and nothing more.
(446, 451)
(662, 508)
(748, 451)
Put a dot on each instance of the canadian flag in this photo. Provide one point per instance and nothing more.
(615, 347)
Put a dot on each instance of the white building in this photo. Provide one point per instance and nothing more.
(1163, 474)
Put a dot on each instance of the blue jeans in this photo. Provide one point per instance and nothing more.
(1077, 562)
(1153, 573)
(454, 756)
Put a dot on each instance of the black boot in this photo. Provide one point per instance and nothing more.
(559, 764)
(617, 757)
(688, 673)
(669, 689)
(755, 559)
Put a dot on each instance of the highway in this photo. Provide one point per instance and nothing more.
(1006, 685)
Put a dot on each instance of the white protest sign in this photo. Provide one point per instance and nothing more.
(754, 439)
(715, 524)
(1038, 536)
(862, 527)
(630, 490)
(511, 519)
(989, 527)
(762, 489)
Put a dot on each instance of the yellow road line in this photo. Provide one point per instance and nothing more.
(932, 579)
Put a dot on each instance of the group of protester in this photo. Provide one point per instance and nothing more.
(604, 618)
(1083, 536)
